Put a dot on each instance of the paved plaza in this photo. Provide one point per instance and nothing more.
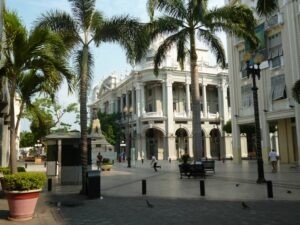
(231, 197)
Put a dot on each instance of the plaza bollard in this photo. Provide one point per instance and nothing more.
(270, 189)
(202, 188)
(49, 184)
(144, 188)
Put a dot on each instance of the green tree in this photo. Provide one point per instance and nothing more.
(27, 139)
(34, 62)
(46, 115)
(109, 127)
(184, 21)
(85, 26)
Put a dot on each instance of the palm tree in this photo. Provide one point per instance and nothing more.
(186, 20)
(85, 27)
(33, 62)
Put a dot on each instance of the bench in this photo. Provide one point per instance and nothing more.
(209, 165)
(194, 170)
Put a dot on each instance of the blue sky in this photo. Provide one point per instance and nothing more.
(109, 58)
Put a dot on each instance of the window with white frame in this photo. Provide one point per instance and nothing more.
(275, 50)
(247, 95)
(278, 87)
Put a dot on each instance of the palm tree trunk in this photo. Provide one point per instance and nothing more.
(12, 130)
(83, 115)
(196, 107)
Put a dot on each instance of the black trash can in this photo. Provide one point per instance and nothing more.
(93, 187)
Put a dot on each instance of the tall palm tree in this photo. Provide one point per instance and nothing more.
(33, 62)
(85, 26)
(183, 22)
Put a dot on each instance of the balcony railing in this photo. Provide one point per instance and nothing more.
(152, 114)
(180, 114)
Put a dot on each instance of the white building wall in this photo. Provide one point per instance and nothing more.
(272, 111)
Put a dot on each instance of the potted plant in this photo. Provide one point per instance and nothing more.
(106, 164)
(22, 191)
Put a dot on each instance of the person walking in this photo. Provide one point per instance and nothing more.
(154, 162)
(273, 157)
(99, 160)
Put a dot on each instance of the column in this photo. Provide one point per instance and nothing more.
(191, 153)
(164, 98)
(188, 99)
(142, 109)
(204, 102)
(207, 146)
(265, 134)
(171, 147)
(170, 114)
(138, 100)
(236, 142)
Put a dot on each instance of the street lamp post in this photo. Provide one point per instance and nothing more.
(253, 71)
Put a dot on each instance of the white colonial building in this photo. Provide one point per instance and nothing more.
(156, 110)
(280, 44)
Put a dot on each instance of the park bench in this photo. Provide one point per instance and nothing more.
(209, 165)
(191, 170)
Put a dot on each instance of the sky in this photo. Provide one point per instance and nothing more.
(109, 58)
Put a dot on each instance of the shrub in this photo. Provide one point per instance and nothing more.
(23, 181)
(5, 170)
(21, 169)
(105, 161)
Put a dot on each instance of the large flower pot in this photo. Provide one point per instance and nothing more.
(21, 204)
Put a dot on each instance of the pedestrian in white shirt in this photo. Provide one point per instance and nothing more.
(273, 157)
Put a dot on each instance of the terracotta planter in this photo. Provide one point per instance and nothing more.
(21, 204)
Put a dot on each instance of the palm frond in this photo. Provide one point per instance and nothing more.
(173, 8)
(296, 91)
(164, 25)
(215, 45)
(97, 21)
(83, 11)
(63, 24)
(237, 20)
(196, 9)
(151, 5)
(166, 46)
(127, 32)
(266, 7)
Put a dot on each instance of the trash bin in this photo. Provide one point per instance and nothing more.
(93, 184)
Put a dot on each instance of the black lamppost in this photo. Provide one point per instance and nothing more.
(253, 71)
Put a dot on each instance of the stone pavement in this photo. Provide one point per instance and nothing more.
(174, 200)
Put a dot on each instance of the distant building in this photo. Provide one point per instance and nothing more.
(156, 110)
(279, 35)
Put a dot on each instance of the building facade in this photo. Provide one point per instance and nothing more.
(279, 37)
(156, 110)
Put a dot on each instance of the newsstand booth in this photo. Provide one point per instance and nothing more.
(63, 149)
